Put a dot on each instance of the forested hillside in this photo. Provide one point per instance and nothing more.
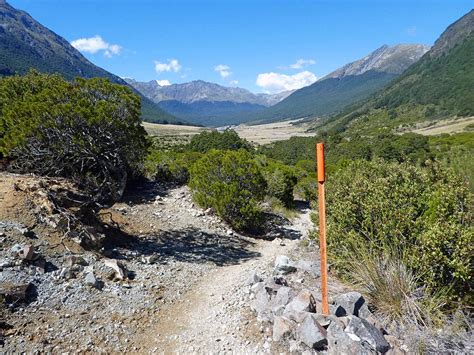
(26, 44)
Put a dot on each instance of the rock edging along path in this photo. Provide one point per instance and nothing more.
(213, 316)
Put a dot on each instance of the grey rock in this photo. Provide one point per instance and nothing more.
(16, 250)
(282, 328)
(340, 342)
(351, 303)
(75, 260)
(283, 265)
(253, 278)
(283, 296)
(278, 310)
(368, 333)
(261, 305)
(255, 288)
(309, 267)
(311, 333)
(299, 306)
(90, 280)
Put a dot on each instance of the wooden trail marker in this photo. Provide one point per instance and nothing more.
(322, 227)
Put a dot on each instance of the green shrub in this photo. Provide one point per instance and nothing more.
(170, 166)
(227, 140)
(307, 189)
(231, 183)
(281, 180)
(87, 130)
(421, 212)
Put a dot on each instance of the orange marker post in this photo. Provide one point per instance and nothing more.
(322, 226)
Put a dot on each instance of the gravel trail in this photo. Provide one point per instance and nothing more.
(213, 316)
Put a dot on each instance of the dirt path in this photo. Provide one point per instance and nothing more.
(213, 316)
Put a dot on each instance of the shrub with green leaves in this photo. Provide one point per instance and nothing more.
(307, 189)
(423, 213)
(227, 140)
(87, 130)
(281, 180)
(170, 166)
(231, 183)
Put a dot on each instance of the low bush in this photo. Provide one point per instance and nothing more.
(232, 184)
(227, 140)
(170, 166)
(281, 180)
(423, 213)
(86, 130)
(307, 189)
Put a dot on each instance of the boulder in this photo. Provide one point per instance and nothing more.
(351, 303)
(282, 328)
(311, 333)
(309, 267)
(368, 333)
(283, 296)
(283, 265)
(299, 306)
(261, 305)
(340, 342)
(253, 279)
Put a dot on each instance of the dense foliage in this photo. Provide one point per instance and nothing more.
(87, 130)
(170, 166)
(281, 180)
(422, 214)
(231, 183)
(227, 140)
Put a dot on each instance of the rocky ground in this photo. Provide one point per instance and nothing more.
(169, 277)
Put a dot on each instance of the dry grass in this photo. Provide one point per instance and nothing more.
(155, 129)
(272, 132)
(431, 128)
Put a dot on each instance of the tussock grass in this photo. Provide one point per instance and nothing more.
(391, 287)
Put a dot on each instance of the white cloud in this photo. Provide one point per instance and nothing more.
(96, 44)
(163, 82)
(275, 82)
(172, 66)
(223, 70)
(301, 63)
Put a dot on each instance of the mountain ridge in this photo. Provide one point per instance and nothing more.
(352, 82)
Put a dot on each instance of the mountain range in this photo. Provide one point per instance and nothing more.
(25, 44)
(440, 85)
(352, 82)
(205, 103)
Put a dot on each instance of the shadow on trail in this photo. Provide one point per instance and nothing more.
(145, 191)
(188, 245)
(277, 226)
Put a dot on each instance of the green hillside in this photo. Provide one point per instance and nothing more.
(325, 97)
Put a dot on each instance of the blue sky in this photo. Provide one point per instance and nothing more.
(233, 42)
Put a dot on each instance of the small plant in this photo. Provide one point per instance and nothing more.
(231, 183)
